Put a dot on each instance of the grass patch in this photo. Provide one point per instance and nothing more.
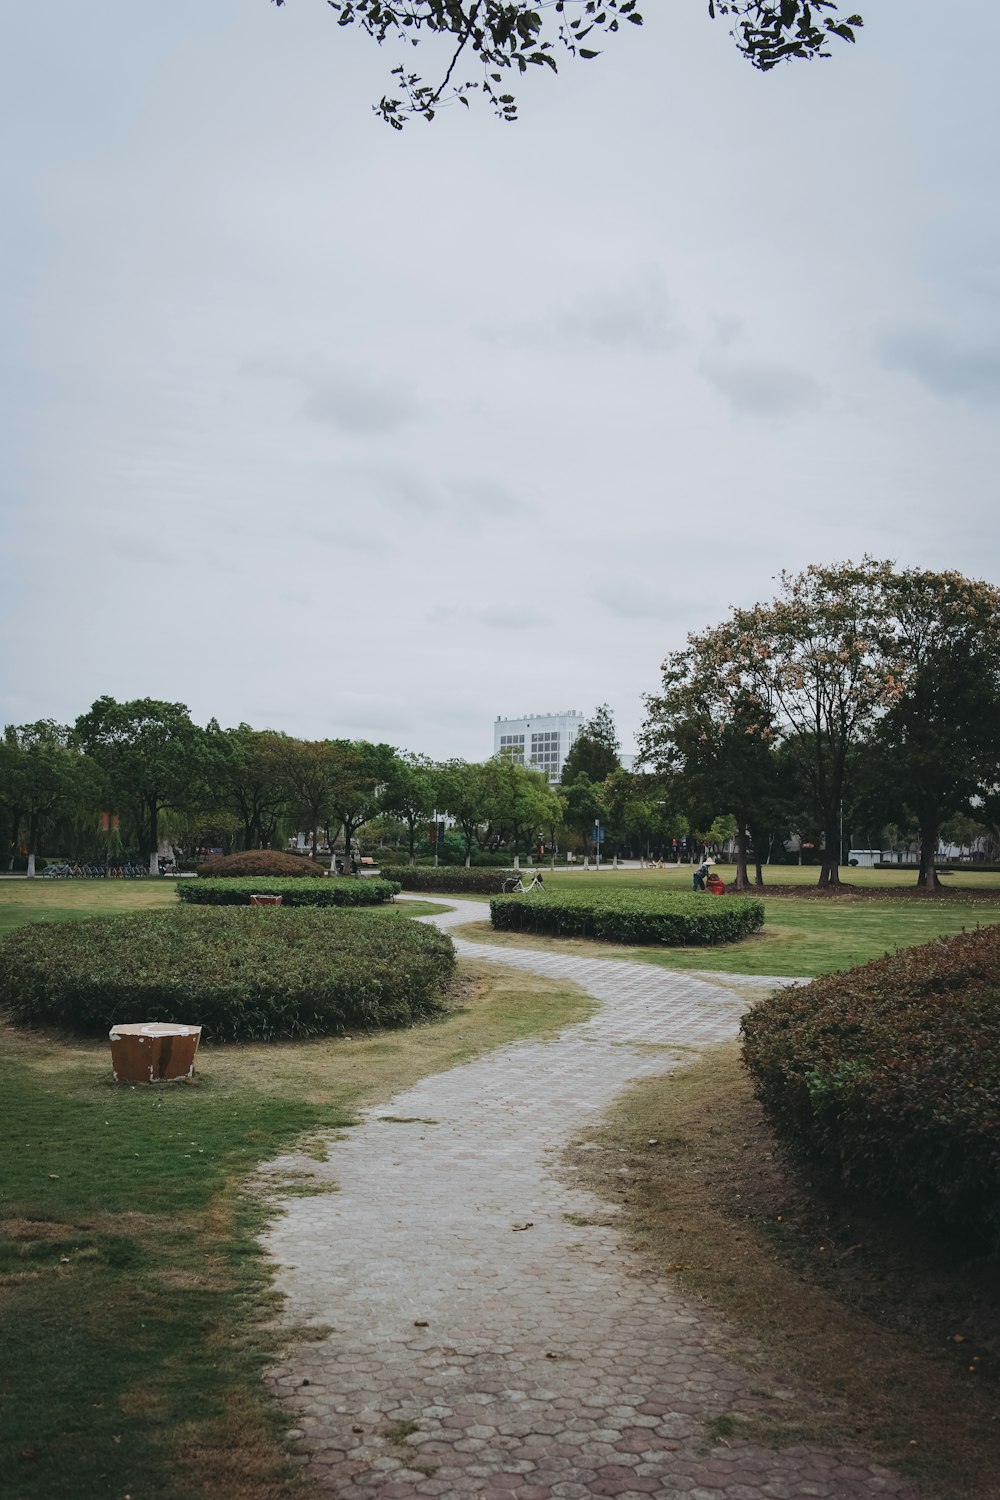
(801, 937)
(398, 1432)
(406, 1120)
(845, 1300)
(72, 900)
(133, 1295)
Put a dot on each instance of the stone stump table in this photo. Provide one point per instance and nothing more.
(153, 1051)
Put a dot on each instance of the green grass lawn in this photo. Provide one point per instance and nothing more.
(809, 938)
(803, 935)
(69, 900)
(66, 900)
(133, 1296)
(798, 875)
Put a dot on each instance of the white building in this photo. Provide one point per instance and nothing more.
(540, 741)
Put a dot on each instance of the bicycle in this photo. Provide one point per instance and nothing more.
(514, 885)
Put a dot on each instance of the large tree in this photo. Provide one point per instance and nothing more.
(519, 802)
(42, 777)
(937, 748)
(813, 662)
(411, 793)
(463, 793)
(311, 768)
(151, 756)
(641, 811)
(248, 776)
(362, 775)
(711, 737)
(594, 752)
(483, 43)
(583, 808)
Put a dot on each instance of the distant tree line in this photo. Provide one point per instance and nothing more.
(862, 697)
(127, 775)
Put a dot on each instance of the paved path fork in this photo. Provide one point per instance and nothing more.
(485, 1330)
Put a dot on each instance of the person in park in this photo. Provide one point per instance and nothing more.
(698, 876)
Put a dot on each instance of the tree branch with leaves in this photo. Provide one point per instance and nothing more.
(507, 38)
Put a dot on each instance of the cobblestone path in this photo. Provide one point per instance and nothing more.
(487, 1330)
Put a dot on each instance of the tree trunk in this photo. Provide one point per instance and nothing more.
(154, 837)
(741, 883)
(927, 878)
(829, 874)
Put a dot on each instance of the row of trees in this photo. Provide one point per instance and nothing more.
(861, 694)
(127, 774)
(860, 689)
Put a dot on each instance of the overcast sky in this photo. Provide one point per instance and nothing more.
(342, 432)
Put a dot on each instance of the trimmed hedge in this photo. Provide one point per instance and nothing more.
(263, 862)
(451, 879)
(244, 975)
(339, 891)
(625, 916)
(966, 867)
(889, 1075)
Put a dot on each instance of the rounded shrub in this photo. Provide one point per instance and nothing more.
(889, 1075)
(263, 862)
(630, 916)
(237, 891)
(256, 974)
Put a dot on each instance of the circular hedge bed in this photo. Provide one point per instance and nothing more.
(338, 892)
(889, 1075)
(255, 974)
(268, 862)
(625, 916)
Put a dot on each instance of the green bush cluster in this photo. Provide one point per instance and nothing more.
(340, 891)
(631, 916)
(270, 862)
(889, 1075)
(451, 879)
(261, 974)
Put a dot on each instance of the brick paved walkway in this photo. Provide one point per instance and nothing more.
(485, 1339)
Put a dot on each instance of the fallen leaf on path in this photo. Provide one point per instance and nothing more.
(517, 1227)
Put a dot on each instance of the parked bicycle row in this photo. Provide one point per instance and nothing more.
(124, 871)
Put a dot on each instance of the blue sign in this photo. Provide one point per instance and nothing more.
(598, 834)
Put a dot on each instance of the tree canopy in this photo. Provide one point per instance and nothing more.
(594, 752)
(487, 42)
(858, 682)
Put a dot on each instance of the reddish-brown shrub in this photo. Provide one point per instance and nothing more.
(260, 862)
(889, 1074)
